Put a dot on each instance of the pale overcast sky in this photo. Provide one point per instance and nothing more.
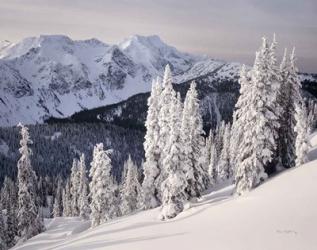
(224, 29)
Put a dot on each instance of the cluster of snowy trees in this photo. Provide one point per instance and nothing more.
(175, 169)
(72, 200)
(218, 148)
(269, 132)
(97, 195)
(270, 122)
(20, 217)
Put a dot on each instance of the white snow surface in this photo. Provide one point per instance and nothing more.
(279, 214)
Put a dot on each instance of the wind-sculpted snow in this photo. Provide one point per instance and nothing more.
(279, 214)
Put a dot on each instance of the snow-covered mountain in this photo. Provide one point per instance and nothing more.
(279, 214)
(55, 76)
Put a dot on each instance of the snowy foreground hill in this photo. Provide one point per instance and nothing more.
(279, 214)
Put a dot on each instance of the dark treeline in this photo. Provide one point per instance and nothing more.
(56, 145)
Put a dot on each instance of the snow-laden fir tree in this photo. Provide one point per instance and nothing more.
(29, 224)
(151, 166)
(101, 186)
(193, 143)
(67, 201)
(173, 187)
(225, 170)
(241, 108)
(208, 142)
(75, 187)
(312, 115)
(219, 134)
(212, 168)
(131, 188)
(207, 154)
(3, 245)
(258, 143)
(290, 97)
(274, 77)
(115, 208)
(58, 203)
(166, 99)
(84, 209)
(301, 129)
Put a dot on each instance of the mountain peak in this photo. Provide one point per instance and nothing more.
(23, 47)
(147, 41)
(38, 41)
(154, 54)
(55, 39)
(150, 38)
(5, 44)
(93, 41)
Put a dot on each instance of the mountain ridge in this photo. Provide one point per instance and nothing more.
(55, 76)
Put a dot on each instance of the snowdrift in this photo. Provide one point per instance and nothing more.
(279, 214)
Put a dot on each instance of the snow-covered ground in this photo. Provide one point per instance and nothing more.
(279, 214)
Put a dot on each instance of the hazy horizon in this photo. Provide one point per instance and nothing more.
(229, 30)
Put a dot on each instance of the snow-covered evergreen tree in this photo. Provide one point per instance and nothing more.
(208, 143)
(219, 134)
(166, 99)
(241, 109)
(102, 185)
(58, 203)
(275, 79)
(115, 208)
(29, 224)
(193, 143)
(212, 168)
(67, 201)
(301, 129)
(75, 187)
(151, 166)
(84, 209)
(205, 154)
(258, 144)
(131, 188)
(312, 115)
(173, 187)
(289, 98)
(225, 168)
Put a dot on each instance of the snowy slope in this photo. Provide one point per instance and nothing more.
(280, 214)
